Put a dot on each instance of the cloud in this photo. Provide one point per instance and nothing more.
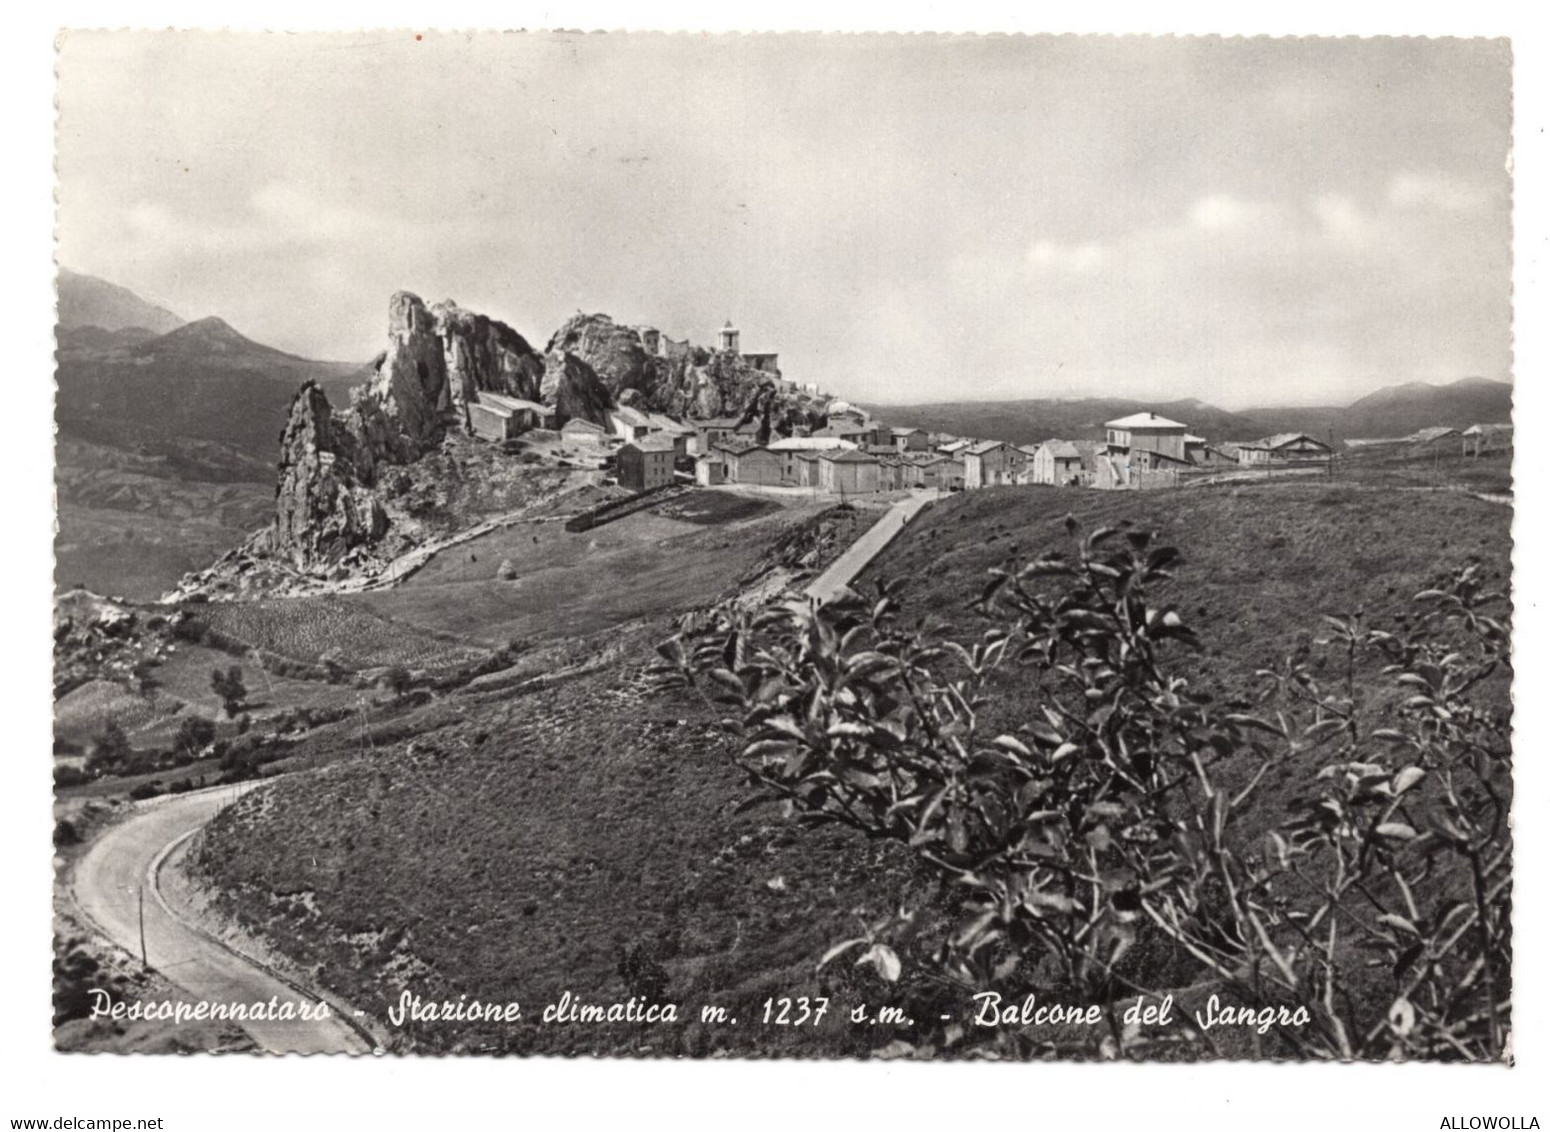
(1436, 190)
(1222, 212)
(1080, 258)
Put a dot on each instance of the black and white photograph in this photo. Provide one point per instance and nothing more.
(704, 547)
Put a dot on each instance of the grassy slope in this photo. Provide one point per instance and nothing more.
(520, 840)
(1261, 562)
(568, 585)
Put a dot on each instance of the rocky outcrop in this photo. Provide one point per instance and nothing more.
(322, 508)
(483, 355)
(574, 389)
(438, 361)
(678, 378)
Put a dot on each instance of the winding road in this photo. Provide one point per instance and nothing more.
(107, 884)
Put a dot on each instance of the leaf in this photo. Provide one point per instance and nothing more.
(885, 960)
(1401, 1017)
(1323, 729)
(1407, 778)
(1399, 922)
(1036, 900)
(837, 950)
(1395, 829)
(1256, 723)
(1015, 746)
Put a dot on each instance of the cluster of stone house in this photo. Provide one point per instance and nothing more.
(851, 454)
(1474, 440)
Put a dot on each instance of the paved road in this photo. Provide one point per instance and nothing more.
(106, 884)
(843, 570)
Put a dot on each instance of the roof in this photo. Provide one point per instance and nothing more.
(708, 458)
(747, 449)
(849, 456)
(510, 404)
(1191, 438)
(629, 416)
(1143, 420)
(714, 422)
(1281, 439)
(831, 430)
(651, 444)
(954, 446)
(1482, 429)
(1062, 449)
(1029, 449)
(906, 431)
(1425, 435)
(667, 424)
(981, 447)
(808, 443)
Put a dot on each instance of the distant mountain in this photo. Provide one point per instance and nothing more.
(1396, 410)
(200, 381)
(85, 300)
(1399, 410)
(167, 436)
(1027, 422)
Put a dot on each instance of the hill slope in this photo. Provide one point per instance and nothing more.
(166, 436)
(200, 381)
(85, 300)
(523, 845)
(1397, 410)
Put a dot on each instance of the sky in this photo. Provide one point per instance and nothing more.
(903, 218)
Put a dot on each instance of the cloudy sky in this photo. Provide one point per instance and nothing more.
(903, 218)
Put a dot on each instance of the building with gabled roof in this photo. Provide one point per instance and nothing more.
(1057, 463)
(1284, 447)
(494, 416)
(1143, 439)
(992, 463)
(646, 463)
(849, 472)
(751, 463)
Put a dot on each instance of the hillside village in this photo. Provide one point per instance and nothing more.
(852, 453)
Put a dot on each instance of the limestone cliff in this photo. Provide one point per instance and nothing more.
(677, 378)
(438, 360)
(574, 389)
(323, 510)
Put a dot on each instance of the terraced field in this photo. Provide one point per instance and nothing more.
(346, 631)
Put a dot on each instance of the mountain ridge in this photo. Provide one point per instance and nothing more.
(85, 300)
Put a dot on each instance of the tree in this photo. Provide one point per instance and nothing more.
(397, 680)
(109, 750)
(1118, 823)
(229, 687)
(194, 734)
